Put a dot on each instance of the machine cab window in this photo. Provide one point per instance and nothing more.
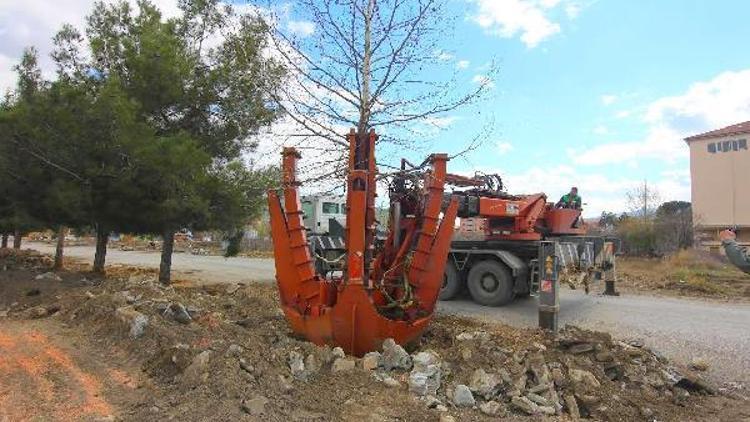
(330, 208)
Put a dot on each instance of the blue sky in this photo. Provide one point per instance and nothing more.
(602, 97)
(592, 93)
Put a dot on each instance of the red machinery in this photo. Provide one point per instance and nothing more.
(501, 241)
(512, 217)
(391, 294)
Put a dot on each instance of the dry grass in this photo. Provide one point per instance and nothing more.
(686, 273)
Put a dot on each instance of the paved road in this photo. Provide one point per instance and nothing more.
(681, 329)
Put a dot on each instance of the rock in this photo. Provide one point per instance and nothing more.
(297, 366)
(394, 356)
(370, 361)
(636, 343)
(695, 383)
(604, 356)
(520, 382)
(680, 395)
(538, 366)
(484, 384)
(492, 408)
(583, 378)
(48, 276)
(546, 410)
(247, 367)
(539, 347)
(312, 365)
(536, 398)
(432, 402)
(255, 406)
(559, 377)
(235, 350)
(465, 337)
(462, 396)
(90, 295)
(285, 384)
(337, 353)
(391, 382)
(124, 298)
(36, 312)
(136, 321)
(699, 364)
(197, 372)
(525, 405)
(540, 388)
(654, 380)
(447, 418)
(424, 378)
(646, 412)
(581, 348)
(343, 365)
(232, 288)
(177, 312)
(572, 405)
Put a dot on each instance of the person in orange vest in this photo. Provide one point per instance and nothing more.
(737, 254)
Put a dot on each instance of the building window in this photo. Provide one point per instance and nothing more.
(727, 146)
(330, 208)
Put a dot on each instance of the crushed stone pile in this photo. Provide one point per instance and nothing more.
(225, 352)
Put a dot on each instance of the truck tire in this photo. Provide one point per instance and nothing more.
(490, 283)
(452, 282)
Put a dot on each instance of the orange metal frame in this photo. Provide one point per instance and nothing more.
(388, 295)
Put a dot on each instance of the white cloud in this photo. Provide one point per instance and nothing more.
(301, 28)
(463, 64)
(601, 130)
(600, 192)
(531, 20)
(34, 22)
(504, 147)
(609, 99)
(719, 102)
(623, 114)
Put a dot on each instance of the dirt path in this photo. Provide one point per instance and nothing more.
(47, 377)
(682, 329)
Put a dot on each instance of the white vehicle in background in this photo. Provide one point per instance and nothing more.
(319, 210)
(325, 218)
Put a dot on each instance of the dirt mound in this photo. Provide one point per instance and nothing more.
(224, 352)
(686, 273)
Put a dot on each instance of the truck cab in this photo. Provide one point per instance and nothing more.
(319, 210)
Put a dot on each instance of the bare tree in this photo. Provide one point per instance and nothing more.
(643, 200)
(371, 64)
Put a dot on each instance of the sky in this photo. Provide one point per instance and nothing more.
(593, 94)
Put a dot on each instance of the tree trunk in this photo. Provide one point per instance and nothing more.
(165, 267)
(17, 239)
(59, 249)
(102, 237)
(364, 105)
(5, 240)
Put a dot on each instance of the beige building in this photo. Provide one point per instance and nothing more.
(720, 180)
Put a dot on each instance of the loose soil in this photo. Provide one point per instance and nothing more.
(68, 352)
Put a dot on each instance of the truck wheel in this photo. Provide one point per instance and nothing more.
(490, 283)
(452, 282)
